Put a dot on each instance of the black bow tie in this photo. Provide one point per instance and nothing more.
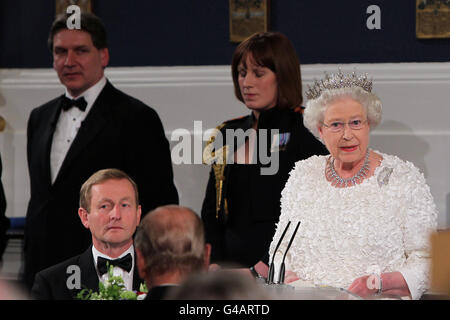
(125, 263)
(68, 103)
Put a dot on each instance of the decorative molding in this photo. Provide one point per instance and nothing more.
(414, 127)
(221, 75)
(398, 72)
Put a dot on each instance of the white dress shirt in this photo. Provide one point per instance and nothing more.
(69, 122)
(126, 276)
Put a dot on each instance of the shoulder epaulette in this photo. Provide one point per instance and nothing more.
(209, 155)
(217, 159)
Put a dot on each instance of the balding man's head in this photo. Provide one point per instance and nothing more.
(171, 239)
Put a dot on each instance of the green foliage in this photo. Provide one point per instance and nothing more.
(113, 289)
(143, 288)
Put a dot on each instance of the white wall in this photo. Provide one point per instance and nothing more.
(415, 124)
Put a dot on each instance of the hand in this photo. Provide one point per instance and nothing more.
(361, 288)
(290, 276)
(394, 285)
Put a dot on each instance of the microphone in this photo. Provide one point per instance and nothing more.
(282, 268)
(272, 267)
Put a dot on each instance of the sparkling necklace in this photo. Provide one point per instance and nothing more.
(338, 181)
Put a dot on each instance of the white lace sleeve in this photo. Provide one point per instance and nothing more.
(290, 201)
(419, 221)
(286, 212)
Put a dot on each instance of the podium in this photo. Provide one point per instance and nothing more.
(288, 292)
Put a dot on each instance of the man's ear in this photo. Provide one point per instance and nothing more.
(104, 56)
(83, 214)
(207, 255)
(140, 263)
(139, 213)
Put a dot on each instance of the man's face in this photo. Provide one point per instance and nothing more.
(78, 63)
(113, 214)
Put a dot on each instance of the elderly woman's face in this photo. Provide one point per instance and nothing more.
(345, 130)
(258, 85)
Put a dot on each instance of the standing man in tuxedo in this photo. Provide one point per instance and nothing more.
(4, 221)
(91, 127)
(170, 246)
(110, 210)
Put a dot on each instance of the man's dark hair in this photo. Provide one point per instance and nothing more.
(89, 23)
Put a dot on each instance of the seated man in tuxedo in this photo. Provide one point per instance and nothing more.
(109, 208)
(70, 140)
(170, 245)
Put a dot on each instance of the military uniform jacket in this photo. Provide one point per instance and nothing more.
(240, 211)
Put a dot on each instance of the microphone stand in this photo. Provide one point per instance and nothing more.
(282, 267)
(272, 267)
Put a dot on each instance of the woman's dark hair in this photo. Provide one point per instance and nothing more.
(88, 22)
(275, 51)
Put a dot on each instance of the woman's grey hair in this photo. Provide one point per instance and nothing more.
(315, 108)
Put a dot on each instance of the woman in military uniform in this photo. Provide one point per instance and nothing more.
(251, 156)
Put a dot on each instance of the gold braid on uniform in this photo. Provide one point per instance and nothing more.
(218, 160)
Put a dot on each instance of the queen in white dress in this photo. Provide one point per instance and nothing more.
(366, 216)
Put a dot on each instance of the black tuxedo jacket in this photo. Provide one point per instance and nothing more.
(51, 283)
(4, 221)
(159, 292)
(119, 132)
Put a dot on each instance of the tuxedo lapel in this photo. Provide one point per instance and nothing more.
(89, 277)
(90, 127)
(46, 138)
(136, 279)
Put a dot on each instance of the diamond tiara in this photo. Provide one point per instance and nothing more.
(337, 81)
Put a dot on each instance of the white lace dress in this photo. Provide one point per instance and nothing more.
(345, 233)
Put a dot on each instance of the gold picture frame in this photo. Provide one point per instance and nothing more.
(432, 19)
(61, 5)
(248, 17)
